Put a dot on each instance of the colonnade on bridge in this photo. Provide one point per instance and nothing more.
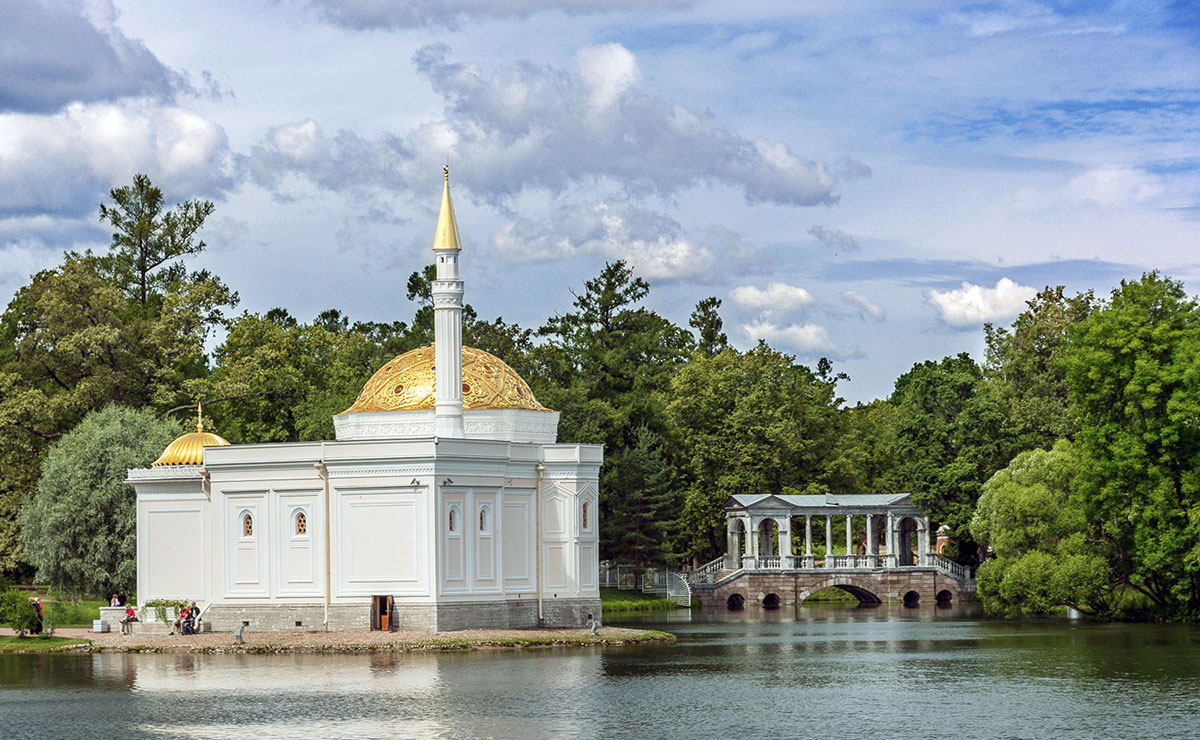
(759, 532)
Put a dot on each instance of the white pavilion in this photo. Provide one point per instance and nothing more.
(444, 503)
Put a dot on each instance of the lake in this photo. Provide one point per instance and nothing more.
(814, 672)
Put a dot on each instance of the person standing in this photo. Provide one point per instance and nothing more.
(36, 603)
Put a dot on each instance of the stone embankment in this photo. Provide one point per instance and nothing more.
(360, 642)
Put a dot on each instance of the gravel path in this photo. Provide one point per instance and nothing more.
(337, 642)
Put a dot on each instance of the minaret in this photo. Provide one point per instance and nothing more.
(447, 321)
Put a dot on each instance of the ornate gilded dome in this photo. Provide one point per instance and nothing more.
(189, 448)
(407, 383)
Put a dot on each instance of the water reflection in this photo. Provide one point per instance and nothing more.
(787, 673)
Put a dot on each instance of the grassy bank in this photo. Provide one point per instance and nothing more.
(615, 601)
(37, 644)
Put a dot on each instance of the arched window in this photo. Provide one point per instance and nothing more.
(585, 514)
(483, 519)
(301, 524)
(451, 520)
(247, 525)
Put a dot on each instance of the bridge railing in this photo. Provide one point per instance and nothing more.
(856, 561)
(707, 573)
(958, 571)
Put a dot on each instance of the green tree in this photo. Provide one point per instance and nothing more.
(603, 367)
(148, 243)
(949, 440)
(16, 611)
(289, 379)
(710, 334)
(126, 327)
(641, 534)
(79, 527)
(1133, 368)
(1037, 527)
(751, 423)
(1025, 365)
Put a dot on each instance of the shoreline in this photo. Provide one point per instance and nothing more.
(266, 643)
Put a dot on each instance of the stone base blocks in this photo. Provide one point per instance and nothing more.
(792, 587)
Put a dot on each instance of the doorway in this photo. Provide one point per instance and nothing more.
(381, 613)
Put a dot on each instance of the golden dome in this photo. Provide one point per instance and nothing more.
(407, 383)
(189, 448)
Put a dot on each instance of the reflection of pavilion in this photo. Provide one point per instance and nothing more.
(890, 521)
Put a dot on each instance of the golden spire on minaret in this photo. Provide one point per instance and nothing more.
(199, 417)
(446, 236)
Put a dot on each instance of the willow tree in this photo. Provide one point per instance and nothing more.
(79, 527)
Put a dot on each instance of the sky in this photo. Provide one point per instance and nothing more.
(866, 181)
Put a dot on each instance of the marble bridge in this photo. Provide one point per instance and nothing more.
(886, 555)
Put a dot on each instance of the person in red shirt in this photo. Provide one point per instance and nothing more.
(127, 622)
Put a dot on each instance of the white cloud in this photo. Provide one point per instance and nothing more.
(536, 127)
(652, 242)
(834, 238)
(803, 338)
(369, 14)
(776, 297)
(973, 305)
(610, 70)
(864, 305)
(64, 163)
(1114, 186)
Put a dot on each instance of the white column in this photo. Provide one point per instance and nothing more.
(891, 541)
(870, 538)
(808, 556)
(785, 543)
(828, 540)
(849, 534)
(447, 292)
(923, 543)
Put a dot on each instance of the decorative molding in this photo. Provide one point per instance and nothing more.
(381, 471)
(164, 473)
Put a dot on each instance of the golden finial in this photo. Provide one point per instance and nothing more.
(199, 417)
(445, 237)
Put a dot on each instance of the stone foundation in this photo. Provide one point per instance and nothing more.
(509, 614)
(442, 617)
(284, 617)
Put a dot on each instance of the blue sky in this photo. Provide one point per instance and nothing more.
(867, 181)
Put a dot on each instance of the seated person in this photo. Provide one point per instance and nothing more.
(127, 622)
(115, 600)
(181, 620)
(189, 627)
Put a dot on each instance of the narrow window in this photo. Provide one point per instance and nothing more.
(247, 525)
(301, 524)
(452, 520)
(585, 513)
(483, 520)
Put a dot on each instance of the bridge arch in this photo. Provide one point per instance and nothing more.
(735, 602)
(771, 601)
(863, 593)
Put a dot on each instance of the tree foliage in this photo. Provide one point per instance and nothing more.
(1134, 373)
(752, 422)
(127, 327)
(79, 528)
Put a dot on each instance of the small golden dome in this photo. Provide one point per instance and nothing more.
(189, 448)
(407, 383)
